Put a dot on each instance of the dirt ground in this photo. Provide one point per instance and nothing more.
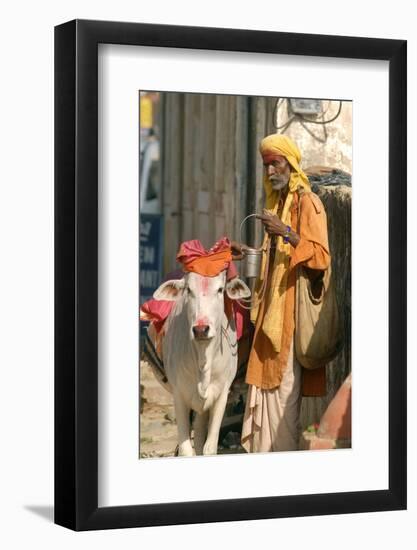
(158, 430)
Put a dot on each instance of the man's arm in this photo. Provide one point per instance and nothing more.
(313, 247)
(237, 250)
(274, 226)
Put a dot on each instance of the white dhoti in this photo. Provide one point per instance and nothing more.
(272, 417)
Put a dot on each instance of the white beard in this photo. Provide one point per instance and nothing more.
(278, 185)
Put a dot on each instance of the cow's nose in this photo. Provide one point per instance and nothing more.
(201, 331)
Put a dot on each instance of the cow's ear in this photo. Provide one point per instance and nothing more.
(170, 290)
(237, 289)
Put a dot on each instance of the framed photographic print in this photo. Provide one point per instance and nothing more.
(205, 181)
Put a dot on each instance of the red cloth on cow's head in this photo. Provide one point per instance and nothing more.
(194, 257)
(209, 263)
(155, 311)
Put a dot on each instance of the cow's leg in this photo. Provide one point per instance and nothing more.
(215, 420)
(200, 432)
(182, 413)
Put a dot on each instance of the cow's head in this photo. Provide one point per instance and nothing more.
(203, 299)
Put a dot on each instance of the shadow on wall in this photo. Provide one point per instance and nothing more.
(45, 512)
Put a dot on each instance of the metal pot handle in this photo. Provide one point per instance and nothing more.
(241, 225)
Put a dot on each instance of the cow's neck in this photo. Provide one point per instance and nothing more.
(205, 352)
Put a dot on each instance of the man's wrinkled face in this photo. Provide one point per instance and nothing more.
(278, 172)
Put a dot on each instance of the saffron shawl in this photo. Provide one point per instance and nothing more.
(274, 306)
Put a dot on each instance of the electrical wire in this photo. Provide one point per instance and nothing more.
(312, 134)
(323, 122)
(278, 103)
(327, 108)
(288, 122)
(303, 119)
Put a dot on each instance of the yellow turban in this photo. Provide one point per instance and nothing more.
(270, 147)
(279, 145)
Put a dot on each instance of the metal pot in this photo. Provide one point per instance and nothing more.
(251, 262)
(252, 257)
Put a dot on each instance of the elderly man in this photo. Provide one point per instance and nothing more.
(295, 233)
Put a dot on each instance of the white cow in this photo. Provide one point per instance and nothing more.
(200, 354)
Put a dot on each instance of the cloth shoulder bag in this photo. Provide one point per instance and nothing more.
(318, 331)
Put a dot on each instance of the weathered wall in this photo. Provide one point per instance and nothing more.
(203, 167)
(327, 145)
(210, 166)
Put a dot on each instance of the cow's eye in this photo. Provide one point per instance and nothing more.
(220, 290)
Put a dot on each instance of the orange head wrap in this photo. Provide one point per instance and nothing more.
(194, 257)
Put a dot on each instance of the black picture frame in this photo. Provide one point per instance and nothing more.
(76, 271)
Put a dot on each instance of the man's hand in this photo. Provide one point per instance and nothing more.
(237, 250)
(272, 224)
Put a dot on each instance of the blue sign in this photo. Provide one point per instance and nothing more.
(150, 255)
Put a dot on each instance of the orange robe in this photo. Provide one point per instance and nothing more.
(266, 366)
